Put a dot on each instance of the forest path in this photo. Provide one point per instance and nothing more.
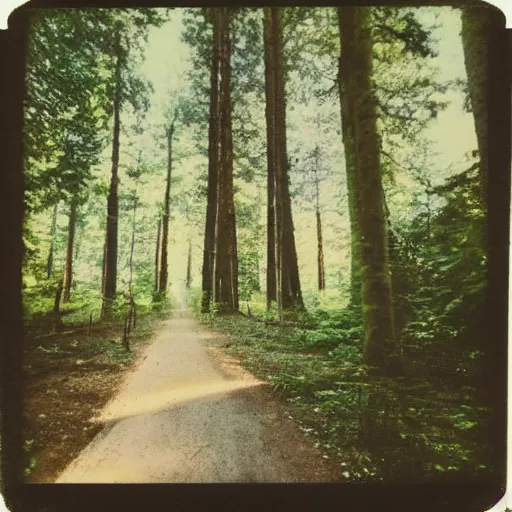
(189, 413)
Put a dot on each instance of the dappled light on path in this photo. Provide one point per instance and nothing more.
(165, 399)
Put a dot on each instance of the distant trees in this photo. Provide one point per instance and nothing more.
(126, 87)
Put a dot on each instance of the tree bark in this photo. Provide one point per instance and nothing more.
(162, 285)
(380, 349)
(319, 238)
(68, 274)
(289, 285)
(132, 244)
(347, 35)
(157, 253)
(53, 229)
(57, 321)
(213, 171)
(189, 266)
(271, 143)
(104, 266)
(112, 202)
(226, 257)
(475, 43)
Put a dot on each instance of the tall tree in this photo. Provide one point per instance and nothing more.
(226, 258)
(363, 158)
(111, 242)
(271, 176)
(319, 238)
(347, 33)
(213, 165)
(162, 284)
(287, 270)
(475, 43)
(68, 274)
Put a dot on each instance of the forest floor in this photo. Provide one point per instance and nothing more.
(189, 413)
(69, 376)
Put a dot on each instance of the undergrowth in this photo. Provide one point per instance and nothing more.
(415, 428)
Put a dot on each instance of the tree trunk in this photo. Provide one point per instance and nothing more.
(57, 322)
(78, 241)
(112, 202)
(271, 150)
(157, 253)
(475, 43)
(132, 244)
(189, 266)
(289, 286)
(68, 275)
(320, 251)
(347, 122)
(226, 257)
(213, 171)
(162, 285)
(49, 262)
(104, 266)
(380, 350)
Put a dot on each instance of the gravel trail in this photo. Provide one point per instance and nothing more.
(189, 413)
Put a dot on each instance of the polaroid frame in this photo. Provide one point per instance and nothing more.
(478, 496)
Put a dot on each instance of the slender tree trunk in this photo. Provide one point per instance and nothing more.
(57, 322)
(320, 253)
(226, 257)
(213, 171)
(271, 164)
(78, 242)
(68, 274)
(162, 285)
(49, 262)
(104, 266)
(321, 270)
(380, 350)
(189, 266)
(157, 253)
(291, 296)
(112, 202)
(132, 244)
(346, 29)
(475, 43)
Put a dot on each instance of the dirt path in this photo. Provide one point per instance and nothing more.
(190, 414)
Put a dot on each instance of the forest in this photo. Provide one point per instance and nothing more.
(311, 182)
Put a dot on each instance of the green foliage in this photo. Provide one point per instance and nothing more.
(445, 255)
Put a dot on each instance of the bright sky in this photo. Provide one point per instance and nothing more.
(453, 131)
(167, 61)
